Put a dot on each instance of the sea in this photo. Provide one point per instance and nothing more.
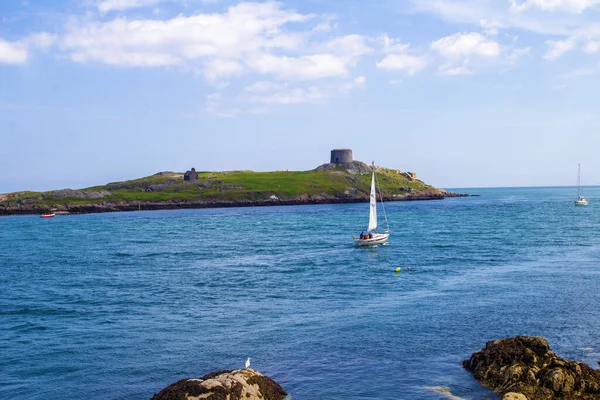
(120, 305)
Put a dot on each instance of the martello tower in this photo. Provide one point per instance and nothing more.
(341, 156)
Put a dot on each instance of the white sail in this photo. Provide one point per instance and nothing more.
(374, 238)
(373, 213)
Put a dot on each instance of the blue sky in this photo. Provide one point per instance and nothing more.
(466, 93)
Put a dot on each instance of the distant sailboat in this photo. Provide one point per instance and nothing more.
(373, 236)
(581, 200)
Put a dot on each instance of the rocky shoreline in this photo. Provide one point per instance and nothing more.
(524, 368)
(23, 208)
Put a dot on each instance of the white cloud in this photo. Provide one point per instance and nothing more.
(13, 52)
(393, 45)
(264, 39)
(475, 11)
(127, 58)
(574, 6)
(360, 82)
(244, 28)
(557, 48)
(213, 99)
(405, 62)
(247, 37)
(459, 48)
(399, 58)
(300, 68)
(489, 27)
(348, 46)
(517, 53)
(456, 11)
(278, 93)
(327, 24)
(286, 95)
(324, 26)
(465, 44)
(591, 47)
(42, 40)
(336, 57)
(216, 69)
(105, 6)
(586, 38)
(263, 86)
(18, 52)
(451, 70)
(473, 52)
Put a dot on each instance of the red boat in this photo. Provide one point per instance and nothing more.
(48, 215)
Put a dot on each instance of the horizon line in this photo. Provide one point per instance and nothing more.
(517, 187)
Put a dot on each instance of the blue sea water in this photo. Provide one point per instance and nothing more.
(120, 305)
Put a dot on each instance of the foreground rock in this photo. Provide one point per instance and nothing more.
(243, 384)
(526, 365)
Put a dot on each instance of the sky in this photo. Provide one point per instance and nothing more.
(466, 93)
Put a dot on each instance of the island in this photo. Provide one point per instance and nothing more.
(339, 181)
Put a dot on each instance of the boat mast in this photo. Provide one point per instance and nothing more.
(578, 179)
(381, 199)
(373, 204)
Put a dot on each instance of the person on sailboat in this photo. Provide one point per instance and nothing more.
(362, 235)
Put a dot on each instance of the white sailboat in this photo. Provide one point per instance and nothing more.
(373, 236)
(581, 200)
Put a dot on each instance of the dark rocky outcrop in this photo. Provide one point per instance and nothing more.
(243, 384)
(354, 167)
(526, 365)
(75, 194)
(21, 207)
(225, 188)
(159, 187)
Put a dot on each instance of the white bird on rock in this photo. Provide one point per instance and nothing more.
(248, 363)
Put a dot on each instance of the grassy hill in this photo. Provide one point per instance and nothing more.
(329, 183)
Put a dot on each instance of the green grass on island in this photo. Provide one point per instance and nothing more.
(331, 181)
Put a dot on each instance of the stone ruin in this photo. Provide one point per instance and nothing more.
(191, 175)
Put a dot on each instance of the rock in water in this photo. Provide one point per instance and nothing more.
(241, 384)
(526, 365)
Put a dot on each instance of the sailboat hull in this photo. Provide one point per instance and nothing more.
(378, 238)
(581, 202)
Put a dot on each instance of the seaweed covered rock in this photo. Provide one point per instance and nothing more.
(526, 365)
(242, 384)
